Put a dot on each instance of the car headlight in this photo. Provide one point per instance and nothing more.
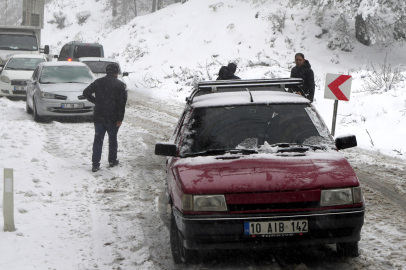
(47, 95)
(342, 196)
(4, 79)
(204, 203)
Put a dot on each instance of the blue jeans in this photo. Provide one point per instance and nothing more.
(100, 132)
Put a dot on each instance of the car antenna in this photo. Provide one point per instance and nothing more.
(251, 100)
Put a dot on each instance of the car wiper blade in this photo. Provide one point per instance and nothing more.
(290, 147)
(223, 151)
(315, 147)
(47, 82)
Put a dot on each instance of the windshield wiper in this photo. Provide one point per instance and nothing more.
(210, 152)
(315, 147)
(47, 82)
(290, 147)
(74, 82)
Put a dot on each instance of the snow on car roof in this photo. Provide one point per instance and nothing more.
(101, 59)
(28, 56)
(62, 63)
(243, 97)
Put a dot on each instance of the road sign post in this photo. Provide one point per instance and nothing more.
(8, 201)
(338, 87)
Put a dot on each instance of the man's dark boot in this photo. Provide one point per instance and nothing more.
(95, 168)
(113, 163)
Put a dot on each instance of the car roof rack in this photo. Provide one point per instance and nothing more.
(209, 87)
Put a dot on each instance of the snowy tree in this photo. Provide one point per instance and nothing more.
(375, 20)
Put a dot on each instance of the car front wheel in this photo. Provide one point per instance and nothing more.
(348, 249)
(27, 107)
(37, 118)
(180, 254)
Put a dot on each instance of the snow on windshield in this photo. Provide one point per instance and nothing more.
(23, 63)
(66, 74)
(249, 126)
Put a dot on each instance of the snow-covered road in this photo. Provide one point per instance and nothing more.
(70, 218)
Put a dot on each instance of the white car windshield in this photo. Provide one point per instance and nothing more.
(98, 66)
(66, 74)
(23, 63)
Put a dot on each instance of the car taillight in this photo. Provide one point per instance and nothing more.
(69, 59)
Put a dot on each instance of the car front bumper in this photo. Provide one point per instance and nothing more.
(200, 232)
(53, 107)
(9, 90)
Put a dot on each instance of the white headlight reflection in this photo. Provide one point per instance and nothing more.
(336, 197)
(209, 203)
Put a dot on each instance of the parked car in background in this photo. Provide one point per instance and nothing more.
(17, 70)
(73, 50)
(55, 90)
(252, 166)
(98, 66)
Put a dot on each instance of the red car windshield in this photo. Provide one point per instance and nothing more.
(249, 126)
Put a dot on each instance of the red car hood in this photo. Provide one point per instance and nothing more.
(264, 172)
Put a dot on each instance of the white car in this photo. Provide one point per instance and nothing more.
(98, 66)
(17, 70)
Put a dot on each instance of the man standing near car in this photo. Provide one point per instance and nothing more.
(303, 70)
(109, 98)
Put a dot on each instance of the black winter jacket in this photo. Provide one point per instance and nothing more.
(109, 98)
(226, 73)
(306, 73)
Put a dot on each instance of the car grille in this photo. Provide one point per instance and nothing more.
(273, 206)
(72, 110)
(60, 97)
(18, 82)
(19, 92)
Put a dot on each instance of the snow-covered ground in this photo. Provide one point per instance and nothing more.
(67, 217)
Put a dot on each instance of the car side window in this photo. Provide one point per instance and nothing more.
(64, 51)
(35, 74)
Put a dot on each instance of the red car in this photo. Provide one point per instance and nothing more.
(251, 165)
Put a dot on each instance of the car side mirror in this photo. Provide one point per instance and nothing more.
(345, 142)
(46, 49)
(125, 74)
(166, 149)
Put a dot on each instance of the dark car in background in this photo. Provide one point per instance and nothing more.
(252, 166)
(73, 50)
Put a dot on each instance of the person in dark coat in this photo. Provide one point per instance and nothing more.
(225, 73)
(303, 70)
(109, 97)
(233, 68)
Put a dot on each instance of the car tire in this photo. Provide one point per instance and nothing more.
(349, 249)
(37, 118)
(180, 254)
(27, 107)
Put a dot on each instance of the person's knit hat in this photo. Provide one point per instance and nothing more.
(232, 67)
(112, 69)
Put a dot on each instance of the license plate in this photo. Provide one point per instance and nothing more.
(72, 105)
(276, 228)
(20, 88)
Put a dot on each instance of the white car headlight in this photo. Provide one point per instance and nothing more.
(342, 196)
(204, 203)
(47, 95)
(4, 79)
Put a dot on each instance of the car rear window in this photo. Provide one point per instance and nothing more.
(23, 63)
(98, 66)
(65, 74)
(248, 127)
(86, 51)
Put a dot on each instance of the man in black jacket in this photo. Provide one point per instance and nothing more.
(227, 73)
(109, 97)
(303, 70)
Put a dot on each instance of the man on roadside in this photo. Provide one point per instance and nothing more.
(227, 72)
(109, 97)
(303, 70)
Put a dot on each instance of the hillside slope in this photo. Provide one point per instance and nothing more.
(168, 50)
